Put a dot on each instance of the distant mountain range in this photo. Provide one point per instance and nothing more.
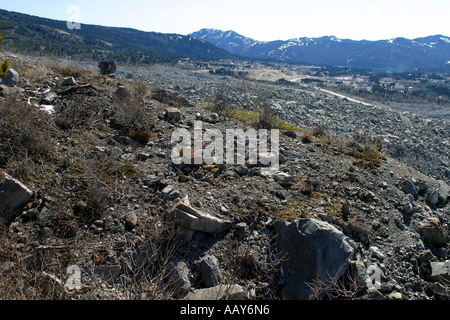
(30, 34)
(399, 54)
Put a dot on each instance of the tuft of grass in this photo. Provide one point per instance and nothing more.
(255, 119)
(129, 112)
(141, 89)
(127, 169)
(367, 159)
(320, 130)
(143, 137)
(282, 125)
(243, 115)
(367, 150)
(32, 71)
(24, 131)
(306, 138)
(74, 71)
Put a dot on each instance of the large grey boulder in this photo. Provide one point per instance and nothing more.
(432, 196)
(439, 271)
(13, 195)
(70, 81)
(11, 79)
(170, 97)
(4, 90)
(315, 251)
(107, 67)
(210, 271)
(432, 232)
(443, 191)
(173, 114)
(192, 220)
(408, 204)
(179, 275)
(410, 188)
(122, 93)
(284, 178)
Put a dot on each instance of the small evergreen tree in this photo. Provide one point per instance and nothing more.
(4, 66)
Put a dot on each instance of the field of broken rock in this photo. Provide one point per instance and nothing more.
(90, 186)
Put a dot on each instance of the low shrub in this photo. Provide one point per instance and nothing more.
(25, 131)
(367, 159)
(143, 137)
(306, 138)
(129, 112)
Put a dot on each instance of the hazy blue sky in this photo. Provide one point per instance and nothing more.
(259, 19)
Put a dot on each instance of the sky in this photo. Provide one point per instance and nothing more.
(263, 20)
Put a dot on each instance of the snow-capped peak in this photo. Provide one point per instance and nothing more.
(333, 38)
(445, 39)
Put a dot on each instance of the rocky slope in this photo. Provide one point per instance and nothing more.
(106, 199)
(413, 139)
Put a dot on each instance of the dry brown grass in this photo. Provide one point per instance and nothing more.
(306, 138)
(130, 114)
(266, 119)
(366, 149)
(30, 271)
(33, 72)
(320, 130)
(24, 131)
(258, 269)
(80, 74)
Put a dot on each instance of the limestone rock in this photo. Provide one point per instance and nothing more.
(170, 97)
(315, 250)
(440, 271)
(432, 197)
(210, 271)
(284, 178)
(13, 194)
(50, 98)
(443, 191)
(179, 274)
(410, 188)
(408, 204)
(11, 79)
(195, 220)
(431, 230)
(173, 114)
(70, 81)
